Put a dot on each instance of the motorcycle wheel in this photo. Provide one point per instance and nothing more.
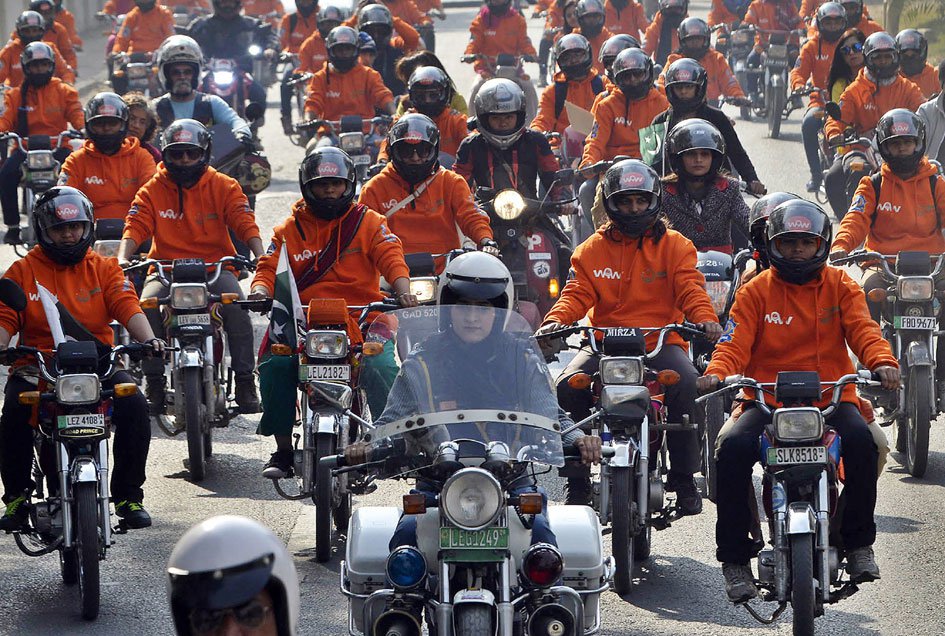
(68, 566)
(192, 385)
(86, 516)
(621, 480)
(774, 99)
(324, 446)
(802, 583)
(714, 419)
(642, 544)
(743, 111)
(919, 417)
(472, 620)
(207, 444)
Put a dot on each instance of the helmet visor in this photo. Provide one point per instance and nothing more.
(409, 152)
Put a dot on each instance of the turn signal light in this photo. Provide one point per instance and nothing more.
(415, 504)
(529, 503)
(372, 349)
(29, 398)
(553, 288)
(579, 381)
(542, 564)
(281, 350)
(877, 295)
(124, 389)
(229, 298)
(667, 377)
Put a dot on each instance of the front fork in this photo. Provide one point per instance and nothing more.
(66, 480)
(821, 531)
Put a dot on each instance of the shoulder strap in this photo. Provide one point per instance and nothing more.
(400, 205)
(293, 22)
(877, 181)
(336, 245)
(165, 112)
(561, 94)
(597, 85)
(203, 110)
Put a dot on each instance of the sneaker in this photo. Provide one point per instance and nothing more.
(578, 491)
(246, 397)
(133, 514)
(861, 565)
(17, 514)
(688, 498)
(280, 465)
(814, 184)
(156, 393)
(12, 237)
(739, 582)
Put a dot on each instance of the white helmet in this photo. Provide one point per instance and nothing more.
(177, 49)
(225, 561)
(476, 276)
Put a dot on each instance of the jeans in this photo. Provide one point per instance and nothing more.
(810, 127)
(10, 178)
(753, 62)
(737, 455)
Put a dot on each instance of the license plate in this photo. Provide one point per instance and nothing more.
(797, 455)
(193, 319)
(360, 160)
(485, 539)
(914, 322)
(310, 372)
(88, 419)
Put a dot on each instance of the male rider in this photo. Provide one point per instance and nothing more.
(576, 82)
(695, 42)
(145, 27)
(29, 28)
(913, 62)
(55, 34)
(662, 36)
(295, 29)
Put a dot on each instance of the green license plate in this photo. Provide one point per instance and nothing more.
(789, 455)
(485, 539)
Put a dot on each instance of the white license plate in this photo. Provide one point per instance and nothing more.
(914, 322)
(360, 160)
(88, 419)
(785, 455)
(193, 319)
(310, 372)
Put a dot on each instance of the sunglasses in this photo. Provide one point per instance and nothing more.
(422, 150)
(176, 154)
(250, 614)
(852, 48)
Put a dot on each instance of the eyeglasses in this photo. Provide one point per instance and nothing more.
(251, 614)
(176, 154)
(852, 48)
(405, 151)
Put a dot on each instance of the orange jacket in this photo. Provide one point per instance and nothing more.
(813, 66)
(312, 53)
(406, 37)
(631, 19)
(56, 34)
(927, 81)
(719, 14)
(862, 103)
(11, 72)
(809, 8)
(651, 39)
(554, 16)
(66, 19)
(580, 93)
(259, 8)
(355, 276)
(292, 40)
(190, 222)
(407, 10)
(782, 16)
(906, 216)
(110, 182)
(866, 25)
(94, 291)
(776, 326)
(596, 42)
(722, 82)
(426, 5)
(358, 92)
(452, 126)
(144, 32)
(428, 223)
(491, 36)
(631, 283)
(51, 109)
(617, 125)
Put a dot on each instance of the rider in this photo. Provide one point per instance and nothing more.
(655, 282)
(312, 54)
(142, 122)
(93, 290)
(913, 64)
(376, 20)
(858, 18)
(55, 33)
(29, 28)
(144, 28)
(770, 15)
(410, 63)
(609, 52)
(590, 17)
(186, 209)
(828, 312)
(661, 37)
(41, 105)
(848, 60)
(625, 16)
(498, 28)
(354, 248)
(932, 114)
(232, 575)
(295, 29)
(577, 83)
(110, 166)
(430, 92)
(67, 20)
(695, 42)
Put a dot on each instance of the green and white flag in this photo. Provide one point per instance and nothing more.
(651, 143)
(287, 317)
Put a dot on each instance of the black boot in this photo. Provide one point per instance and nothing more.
(688, 498)
(578, 491)
(246, 397)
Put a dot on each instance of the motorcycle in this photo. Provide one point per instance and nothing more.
(348, 133)
(860, 160)
(800, 456)
(476, 464)
(426, 30)
(736, 43)
(910, 324)
(510, 67)
(264, 70)
(134, 72)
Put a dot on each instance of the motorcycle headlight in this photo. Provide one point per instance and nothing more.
(621, 371)
(79, 388)
(326, 344)
(223, 78)
(798, 424)
(255, 50)
(351, 141)
(915, 288)
(137, 71)
(108, 249)
(741, 38)
(423, 288)
(189, 296)
(508, 205)
(718, 294)
(471, 499)
(40, 160)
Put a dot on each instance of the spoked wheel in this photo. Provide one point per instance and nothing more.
(714, 419)
(324, 446)
(620, 522)
(192, 391)
(919, 420)
(87, 549)
(803, 591)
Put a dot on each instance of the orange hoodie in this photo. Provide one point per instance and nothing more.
(813, 66)
(722, 82)
(719, 14)
(292, 40)
(863, 103)
(776, 326)
(312, 53)
(259, 8)
(406, 9)
(94, 291)
(617, 125)
(190, 222)
(358, 92)
(11, 71)
(67, 20)
(771, 16)
(110, 182)
(927, 80)
(631, 19)
(51, 109)
(580, 93)
(907, 217)
(355, 276)
(144, 32)
(490, 36)
(406, 37)
(57, 35)
(428, 223)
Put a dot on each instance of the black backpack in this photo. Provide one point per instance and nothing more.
(561, 93)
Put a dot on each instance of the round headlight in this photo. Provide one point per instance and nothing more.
(406, 568)
(508, 205)
(472, 499)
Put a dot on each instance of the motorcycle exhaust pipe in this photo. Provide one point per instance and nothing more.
(396, 623)
(551, 620)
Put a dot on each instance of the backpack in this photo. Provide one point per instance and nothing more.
(561, 93)
(877, 181)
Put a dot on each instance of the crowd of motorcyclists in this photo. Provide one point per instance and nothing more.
(394, 166)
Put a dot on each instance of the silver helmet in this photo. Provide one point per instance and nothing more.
(500, 96)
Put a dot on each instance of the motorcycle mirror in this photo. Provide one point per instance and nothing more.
(565, 176)
(12, 295)
(254, 111)
(471, 124)
(833, 109)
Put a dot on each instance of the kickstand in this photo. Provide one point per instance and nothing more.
(163, 423)
(121, 528)
(761, 619)
(848, 589)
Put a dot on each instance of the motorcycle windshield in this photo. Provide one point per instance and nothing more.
(472, 383)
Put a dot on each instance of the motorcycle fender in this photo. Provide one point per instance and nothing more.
(741, 66)
(84, 470)
(777, 81)
(190, 358)
(918, 355)
(326, 423)
(623, 455)
(481, 596)
(801, 519)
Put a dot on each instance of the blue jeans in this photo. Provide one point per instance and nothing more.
(810, 127)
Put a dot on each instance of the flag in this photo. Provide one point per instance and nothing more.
(62, 325)
(287, 318)
(651, 143)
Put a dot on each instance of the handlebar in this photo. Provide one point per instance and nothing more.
(65, 134)
(134, 349)
(882, 260)
(336, 124)
(161, 266)
(590, 332)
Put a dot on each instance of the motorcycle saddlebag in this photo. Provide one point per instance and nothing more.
(365, 567)
(577, 531)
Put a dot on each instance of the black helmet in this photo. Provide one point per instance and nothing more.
(673, 11)
(46, 9)
(631, 177)
(901, 122)
(590, 16)
(912, 40)
(686, 70)
(106, 106)
(875, 45)
(574, 56)
(184, 135)
(827, 11)
(58, 206)
(694, 28)
(854, 11)
(376, 21)
(342, 47)
(414, 133)
(30, 21)
(499, 95)
(37, 52)
(327, 162)
(329, 17)
(430, 90)
(758, 220)
(798, 217)
(613, 46)
(228, 11)
(499, 7)
(695, 134)
(630, 62)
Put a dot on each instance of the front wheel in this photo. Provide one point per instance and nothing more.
(774, 99)
(714, 420)
(87, 550)
(744, 112)
(919, 420)
(621, 519)
(324, 446)
(192, 385)
(472, 620)
(802, 583)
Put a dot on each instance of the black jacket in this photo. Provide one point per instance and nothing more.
(530, 159)
(230, 39)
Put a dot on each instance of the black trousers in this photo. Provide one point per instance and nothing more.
(738, 454)
(132, 438)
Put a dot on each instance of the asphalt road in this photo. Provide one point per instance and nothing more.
(680, 587)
